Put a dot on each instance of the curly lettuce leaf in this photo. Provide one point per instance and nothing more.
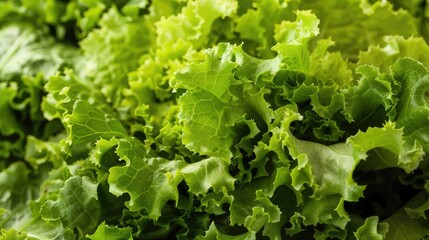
(27, 50)
(373, 89)
(345, 22)
(214, 234)
(38, 152)
(193, 23)
(208, 173)
(77, 205)
(208, 112)
(105, 231)
(328, 169)
(389, 148)
(16, 187)
(113, 50)
(212, 119)
(393, 48)
(372, 229)
(257, 31)
(150, 181)
(252, 205)
(18, 218)
(9, 125)
(412, 112)
(88, 123)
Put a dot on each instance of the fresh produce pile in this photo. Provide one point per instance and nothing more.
(214, 119)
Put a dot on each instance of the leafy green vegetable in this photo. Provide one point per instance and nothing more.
(220, 119)
(104, 231)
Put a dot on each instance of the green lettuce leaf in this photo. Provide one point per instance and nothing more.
(393, 48)
(77, 205)
(225, 119)
(19, 220)
(88, 123)
(113, 50)
(207, 108)
(27, 50)
(207, 173)
(193, 23)
(372, 229)
(38, 152)
(105, 231)
(140, 168)
(345, 22)
(16, 187)
(214, 234)
(389, 148)
(375, 91)
(9, 126)
(412, 228)
(412, 112)
(257, 31)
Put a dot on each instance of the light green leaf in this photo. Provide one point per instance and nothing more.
(102, 146)
(150, 181)
(388, 148)
(63, 91)
(206, 118)
(208, 173)
(393, 48)
(298, 32)
(329, 210)
(372, 230)
(9, 125)
(15, 187)
(77, 205)
(327, 102)
(207, 110)
(328, 169)
(256, 30)
(133, 7)
(253, 206)
(13, 234)
(193, 23)
(332, 168)
(412, 111)
(105, 231)
(330, 67)
(212, 75)
(38, 152)
(374, 90)
(88, 123)
(214, 234)
(26, 50)
(18, 218)
(345, 21)
(113, 50)
(87, 19)
(294, 56)
(213, 202)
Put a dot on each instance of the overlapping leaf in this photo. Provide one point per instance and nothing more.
(217, 119)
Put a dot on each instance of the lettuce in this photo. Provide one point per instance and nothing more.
(218, 119)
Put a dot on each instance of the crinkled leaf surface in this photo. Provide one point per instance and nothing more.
(214, 119)
(77, 204)
(207, 173)
(412, 111)
(163, 176)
